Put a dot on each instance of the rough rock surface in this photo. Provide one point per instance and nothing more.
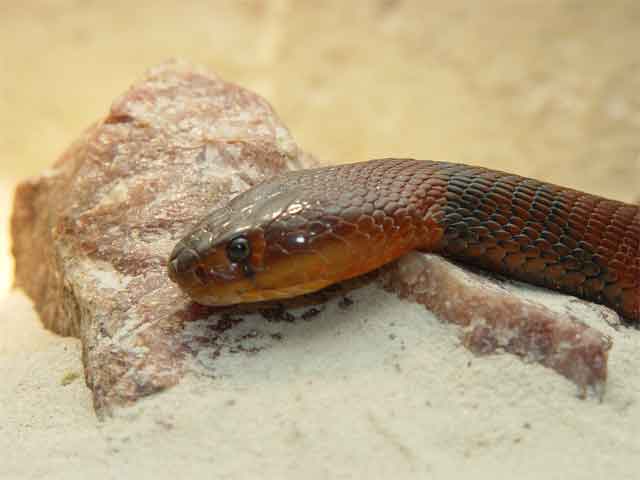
(91, 239)
(498, 315)
(91, 236)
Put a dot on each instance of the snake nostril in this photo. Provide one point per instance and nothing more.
(182, 261)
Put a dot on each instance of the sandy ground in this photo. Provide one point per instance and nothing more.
(362, 393)
(547, 90)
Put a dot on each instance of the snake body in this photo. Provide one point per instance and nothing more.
(304, 230)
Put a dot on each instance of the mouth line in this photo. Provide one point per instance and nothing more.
(221, 275)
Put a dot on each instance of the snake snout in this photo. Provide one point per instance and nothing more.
(182, 260)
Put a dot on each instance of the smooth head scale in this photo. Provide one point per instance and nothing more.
(277, 240)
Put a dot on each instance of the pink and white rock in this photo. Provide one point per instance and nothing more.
(91, 235)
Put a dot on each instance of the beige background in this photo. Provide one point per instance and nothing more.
(549, 89)
(546, 89)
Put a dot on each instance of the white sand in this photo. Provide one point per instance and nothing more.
(361, 393)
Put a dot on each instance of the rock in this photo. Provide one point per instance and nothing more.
(92, 235)
(497, 315)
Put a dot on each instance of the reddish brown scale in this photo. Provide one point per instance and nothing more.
(533, 231)
(372, 212)
(547, 235)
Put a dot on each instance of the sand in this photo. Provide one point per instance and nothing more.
(355, 393)
(362, 394)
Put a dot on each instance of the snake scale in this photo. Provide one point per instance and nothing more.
(303, 230)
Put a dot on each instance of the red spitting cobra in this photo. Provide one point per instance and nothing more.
(304, 230)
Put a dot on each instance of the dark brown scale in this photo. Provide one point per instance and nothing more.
(550, 236)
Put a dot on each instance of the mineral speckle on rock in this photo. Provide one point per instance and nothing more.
(500, 316)
(92, 235)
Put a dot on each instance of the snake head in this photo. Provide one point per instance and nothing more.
(297, 233)
(265, 244)
(216, 271)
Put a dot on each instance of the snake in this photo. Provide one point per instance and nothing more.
(301, 231)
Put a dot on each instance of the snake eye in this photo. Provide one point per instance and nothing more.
(238, 249)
